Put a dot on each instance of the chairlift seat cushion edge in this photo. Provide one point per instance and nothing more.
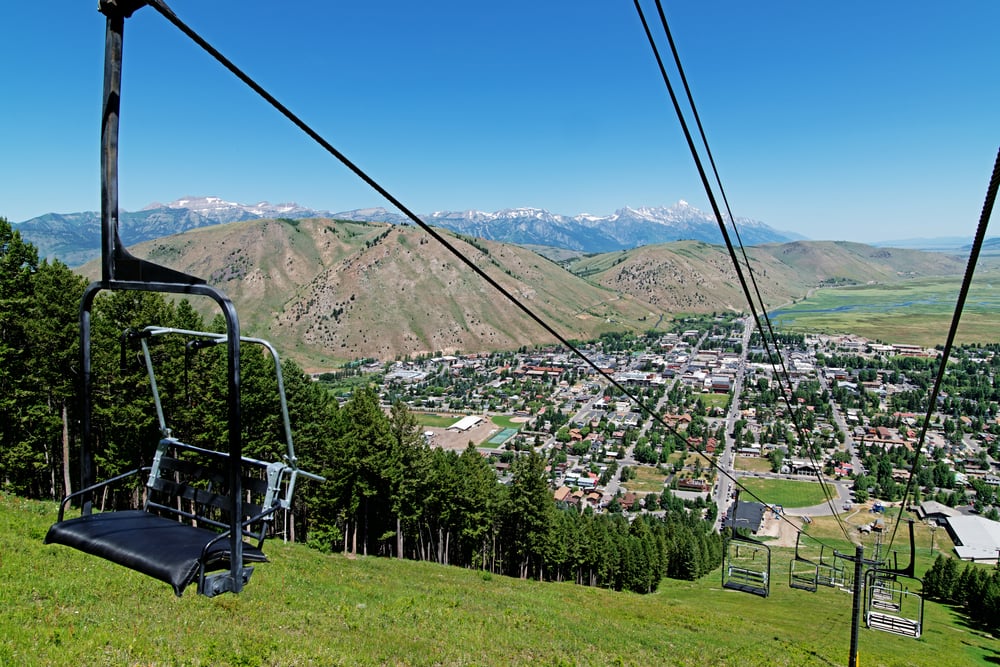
(157, 546)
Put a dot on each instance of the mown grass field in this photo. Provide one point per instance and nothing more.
(916, 311)
(431, 419)
(787, 493)
(714, 400)
(647, 480)
(505, 421)
(61, 607)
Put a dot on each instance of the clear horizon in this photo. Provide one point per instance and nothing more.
(847, 122)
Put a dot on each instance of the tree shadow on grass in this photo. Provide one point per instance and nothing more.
(990, 654)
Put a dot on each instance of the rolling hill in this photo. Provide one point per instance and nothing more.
(328, 291)
(691, 276)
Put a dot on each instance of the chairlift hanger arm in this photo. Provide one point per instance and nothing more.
(204, 339)
(119, 8)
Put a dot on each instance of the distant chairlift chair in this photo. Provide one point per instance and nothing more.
(832, 571)
(747, 566)
(803, 573)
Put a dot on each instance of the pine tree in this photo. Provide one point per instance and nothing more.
(529, 514)
(932, 579)
(410, 469)
(949, 580)
(965, 585)
(52, 340)
(989, 615)
(476, 501)
(361, 436)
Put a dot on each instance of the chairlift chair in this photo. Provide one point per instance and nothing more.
(200, 527)
(746, 563)
(176, 536)
(890, 605)
(831, 570)
(747, 566)
(803, 573)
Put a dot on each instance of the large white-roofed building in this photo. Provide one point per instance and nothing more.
(976, 538)
(465, 423)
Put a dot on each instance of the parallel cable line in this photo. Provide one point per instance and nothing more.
(728, 241)
(773, 341)
(977, 244)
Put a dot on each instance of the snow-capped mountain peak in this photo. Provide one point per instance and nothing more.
(220, 210)
(626, 228)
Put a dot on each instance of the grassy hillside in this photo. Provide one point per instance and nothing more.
(64, 608)
(691, 276)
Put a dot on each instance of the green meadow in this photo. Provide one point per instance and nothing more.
(431, 419)
(917, 311)
(61, 607)
(788, 493)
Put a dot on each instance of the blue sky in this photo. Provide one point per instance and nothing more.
(851, 120)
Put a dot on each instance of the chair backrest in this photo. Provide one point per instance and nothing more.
(190, 483)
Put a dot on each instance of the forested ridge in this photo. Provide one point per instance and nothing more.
(387, 492)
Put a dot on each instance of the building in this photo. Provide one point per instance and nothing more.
(939, 513)
(747, 515)
(465, 423)
(976, 538)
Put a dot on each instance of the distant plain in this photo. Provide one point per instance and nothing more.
(917, 311)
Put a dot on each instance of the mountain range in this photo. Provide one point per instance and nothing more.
(74, 238)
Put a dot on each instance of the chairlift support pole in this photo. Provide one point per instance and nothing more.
(859, 562)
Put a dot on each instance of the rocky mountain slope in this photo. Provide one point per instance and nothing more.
(328, 291)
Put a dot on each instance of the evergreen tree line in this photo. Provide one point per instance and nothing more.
(387, 492)
(39, 302)
(974, 589)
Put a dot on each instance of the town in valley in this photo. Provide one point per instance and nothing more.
(713, 414)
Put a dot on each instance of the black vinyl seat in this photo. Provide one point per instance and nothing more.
(160, 547)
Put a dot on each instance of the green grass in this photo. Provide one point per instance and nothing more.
(787, 493)
(61, 607)
(714, 400)
(348, 385)
(752, 463)
(504, 421)
(428, 419)
(916, 311)
(647, 480)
